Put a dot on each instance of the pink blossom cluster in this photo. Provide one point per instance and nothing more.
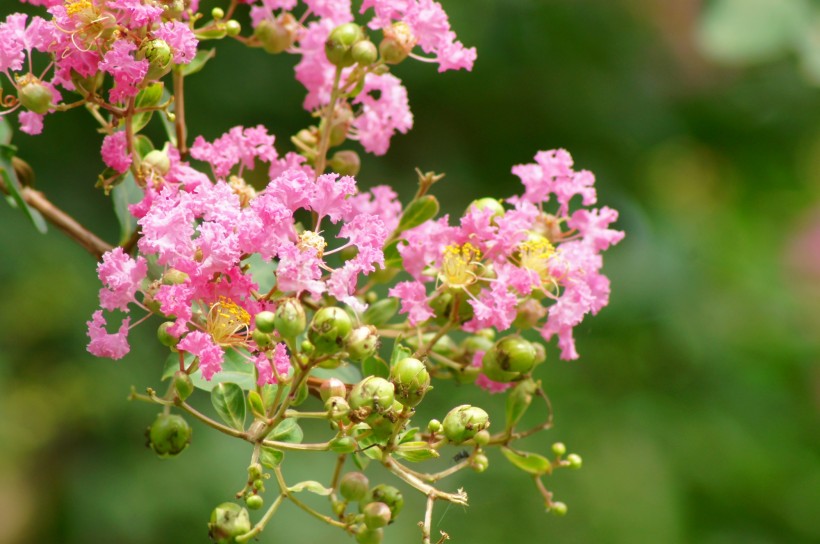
(518, 262)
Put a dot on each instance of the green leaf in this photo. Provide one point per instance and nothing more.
(229, 402)
(123, 195)
(528, 462)
(399, 352)
(381, 311)
(288, 430)
(7, 152)
(149, 97)
(6, 132)
(416, 452)
(518, 400)
(347, 373)
(392, 257)
(202, 57)
(271, 457)
(361, 461)
(418, 211)
(375, 366)
(312, 486)
(408, 435)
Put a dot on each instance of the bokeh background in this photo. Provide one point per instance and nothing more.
(695, 403)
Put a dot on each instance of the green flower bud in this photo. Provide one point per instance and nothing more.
(328, 330)
(376, 514)
(434, 426)
(265, 321)
(217, 13)
(515, 354)
(289, 319)
(159, 56)
(337, 408)
(362, 343)
(158, 161)
(232, 27)
(479, 462)
(381, 425)
(387, 494)
(365, 53)
(558, 508)
(488, 203)
(353, 486)
(463, 422)
(345, 163)
(372, 394)
(340, 124)
(473, 344)
(255, 471)
(397, 43)
(574, 460)
(342, 444)
(340, 42)
(228, 520)
(259, 485)
(254, 502)
(169, 435)
(482, 438)
(33, 95)
(278, 35)
(332, 387)
(559, 449)
(183, 385)
(370, 536)
(411, 381)
(491, 367)
(262, 339)
(307, 347)
(166, 338)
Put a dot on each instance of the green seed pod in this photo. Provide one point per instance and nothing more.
(463, 422)
(574, 460)
(262, 339)
(337, 408)
(183, 385)
(265, 321)
(515, 354)
(328, 329)
(370, 536)
(479, 462)
(397, 43)
(376, 514)
(493, 367)
(254, 502)
(342, 444)
(372, 394)
(169, 435)
(411, 380)
(228, 520)
(365, 53)
(332, 387)
(289, 319)
(166, 338)
(387, 494)
(34, 96)
(159, 56)
(353, 486)
(232, 27)
(362, 343)
(345, 163)
(340, 42)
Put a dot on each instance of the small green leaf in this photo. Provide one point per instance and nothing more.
(381, 311)
(202, 57)
(287, 431)
(229, 403)
(312, 486)
(408, 435)
(392, 257)
(149, 97)
(399, 352)
(361, 461)
(123, 195)
(375, 366)
(7, 152)
(418, 211)
(416, 452)
(528, 462)
(271, 457)
(256, 404)
(6, 132)
(518, 400)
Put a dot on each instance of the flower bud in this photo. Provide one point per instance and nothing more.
(488, 203)
(255, 471)
(166, 338)
(262, 339)
(278, 35)
(337, 408)
(372, 394)
(381, 425)
(289, 319)
(254, 502)
(345, 163)
(558, 508)
(353, 486)
(479, 462)
(463, 422)
(387, 494)
(376, 514)
(328, 329)
(434, 426)
(362, 343)
(515, 354)
(159, 56)
(411, 381)
(217, 13)
(33, 95)
(265, 321)
(228, 520)
(340, 42)
(365, 53)
(397, 43)
(482, 438)
(342, 444)
(332, 387)
(183, 384)
(574, 460)
(158, 161)
(491, 367)
(370, 536)
(232, 27)
(559, 449)
(169, 435)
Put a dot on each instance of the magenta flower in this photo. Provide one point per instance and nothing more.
(127, 71)
(114, 346)
(115, 153)
(121, 276)
(201, 345)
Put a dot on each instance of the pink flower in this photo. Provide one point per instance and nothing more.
(281, 361)
(383, 116)
(121, 275)
(299, 270)
(31, 123)
(238, 146)
(495, 307)
(337, 11)
(329, 196)
(115, 152)
(381, 201)
(114, 346)
(136, 13)
(127, 72)
(180, 39)
(201, 345)
(314, 71)
(413, 297)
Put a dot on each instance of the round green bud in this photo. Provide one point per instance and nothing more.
(183, 384)
(290, 319)
(473, 344)
(259, 484)
(332, 387)
(362, 342)
(337, 408)
(515, 354)
(265, 321)
(278, 35)
(482, 438)
(158, 161)
(381, 425)
(365, 53)
(342, 444)
(307, 347)
(262, 339)
(255, 471)
(345, 163)
(370, 536)
(353, 486)
(372, 394)
(464, 422)
(491, 367)
(559, 449)
(574, 461)
(34, 96)
(328, 329)
(159, 56)
(232, 27)
(217, 13)
(254, 501)
(488, 204)
(166, 338)
(339, 44)
(479, 462)
(228, 521)
(411, 380)
(169, 435)
(392, 52)
(387, 494)
(434, 426)
(558, 508)
(376, 514)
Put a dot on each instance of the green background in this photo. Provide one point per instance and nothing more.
(696, 399)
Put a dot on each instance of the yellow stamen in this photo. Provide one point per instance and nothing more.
(228, 322)
(458, 265)
(73, 7)
(534, 254)
(312, 239)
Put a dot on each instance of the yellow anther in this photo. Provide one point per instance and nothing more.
(312, 239)
(228, 322)
(534, 254)
(458, 265)
(73, 7)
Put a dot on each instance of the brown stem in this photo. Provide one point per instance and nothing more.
(62, 221)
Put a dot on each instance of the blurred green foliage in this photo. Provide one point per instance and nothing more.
(696, 400)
